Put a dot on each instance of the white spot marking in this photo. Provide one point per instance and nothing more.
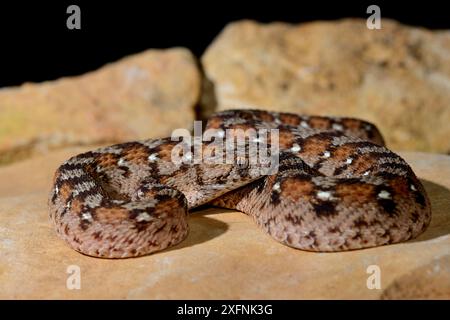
(68, 204)
(276, 187)
(153, 157)
(324, 195)
(384, 194)
(413, 187)
(366, 173)
(349, 161)
(337, 126)
(304, 124)
(121, 162)
(326, 154)
(296, 148)
(221, 134)
(144, 216)
(56, 189)
(86, 216)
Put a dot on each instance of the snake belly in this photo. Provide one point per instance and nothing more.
(336, 188)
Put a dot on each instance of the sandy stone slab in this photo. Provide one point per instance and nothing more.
(225, 255)
(431, 281)
(397, 77)
(141, 96)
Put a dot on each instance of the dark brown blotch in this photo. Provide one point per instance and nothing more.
(324, 208)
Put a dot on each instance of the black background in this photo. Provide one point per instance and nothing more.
(127, 309)
(36, 45)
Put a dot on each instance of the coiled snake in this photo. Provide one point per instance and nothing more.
(336, 188)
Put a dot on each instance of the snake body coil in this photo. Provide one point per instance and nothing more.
(336, 188)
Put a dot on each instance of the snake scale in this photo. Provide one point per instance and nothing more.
(337, 188)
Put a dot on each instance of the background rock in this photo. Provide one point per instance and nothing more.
(141, 96)
(397, 77)
(225, 256)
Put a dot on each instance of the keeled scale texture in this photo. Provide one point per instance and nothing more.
(334, 190)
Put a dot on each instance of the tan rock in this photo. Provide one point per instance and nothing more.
(144, 95)
(431, 281)
(397, 77)
(225, 256)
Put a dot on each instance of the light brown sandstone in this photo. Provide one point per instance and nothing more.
(141, 96)
(397, 77)
(431, 281)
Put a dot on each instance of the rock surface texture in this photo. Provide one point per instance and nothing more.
(225, 256)
(431, 281)
(397, 77)
(141, 96)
